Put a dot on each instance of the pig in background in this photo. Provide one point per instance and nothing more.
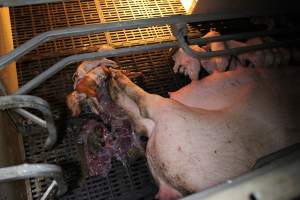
(268, 57)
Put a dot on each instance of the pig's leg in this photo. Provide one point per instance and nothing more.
(221, 61)
(166, 192)
(186, 64)
(141, 125)
(146, 102)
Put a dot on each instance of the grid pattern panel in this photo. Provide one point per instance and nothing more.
(29, 21)
(123, 10)
(121, 181)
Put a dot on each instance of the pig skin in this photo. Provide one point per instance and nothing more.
(216, 91)
(191, 149)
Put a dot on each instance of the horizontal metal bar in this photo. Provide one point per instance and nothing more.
(114, 26)
(236, 51)
(35, 82)
(25, 171)
(277, 180)
(180, 33)
(239, 36)
(13, 3)
(21, 101)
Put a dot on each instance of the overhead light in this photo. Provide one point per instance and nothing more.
(188, 5)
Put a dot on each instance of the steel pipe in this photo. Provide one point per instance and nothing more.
(180, 33)
(21, 101)
(239, 36)
(28, 115)
(114, 26)
(25, 171)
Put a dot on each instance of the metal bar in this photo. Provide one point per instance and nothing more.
(35, 82)
(20, 101)
(32, 117)
(276, 181)
(49, 190)
(180, 33)
(25, 113)
(114, 26)
(247, 35)
(25, 171)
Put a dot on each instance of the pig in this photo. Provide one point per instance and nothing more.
(190, 66)
(194, 148)
(216, 91)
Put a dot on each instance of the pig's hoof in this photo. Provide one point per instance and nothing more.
(167, 193)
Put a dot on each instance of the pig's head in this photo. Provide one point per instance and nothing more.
(92, 80)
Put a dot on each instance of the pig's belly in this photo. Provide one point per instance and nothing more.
(192, 153)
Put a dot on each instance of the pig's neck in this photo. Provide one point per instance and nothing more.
(104, 97)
